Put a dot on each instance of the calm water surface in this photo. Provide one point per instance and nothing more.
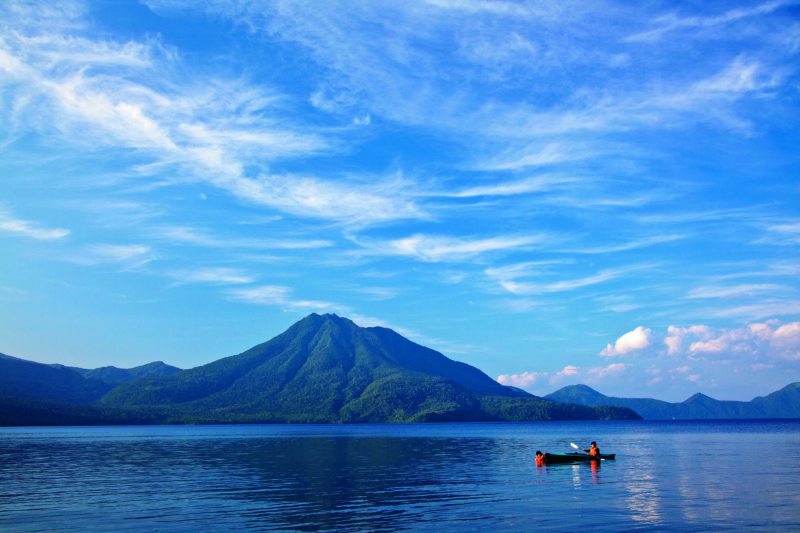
(669, 476)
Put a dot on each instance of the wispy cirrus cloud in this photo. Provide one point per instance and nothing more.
(130, 256)
(673, 22)
(439, 248)
(29, 229)
(280, 296)
(735, 291)
(743, 213)
(512, 188)
(641, 243)
(414, 69)
(343, 201)
(784, 234)
(518, 287)
(764, 309)
(202, 129)
(379, 293)
(188, 235)
(221, 276)
(534, 156)
(526, 269)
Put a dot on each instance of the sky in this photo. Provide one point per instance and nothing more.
(554, 192)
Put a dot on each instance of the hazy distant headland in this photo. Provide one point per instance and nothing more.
(325, 369)
(784, 403)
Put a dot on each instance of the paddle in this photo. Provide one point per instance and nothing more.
(577, 448)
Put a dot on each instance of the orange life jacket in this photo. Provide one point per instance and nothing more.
(594, 450)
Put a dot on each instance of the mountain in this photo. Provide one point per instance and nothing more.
(112, 374)
(35, 381)
(325, 368)
(784, 403)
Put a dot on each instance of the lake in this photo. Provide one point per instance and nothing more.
(668, 476)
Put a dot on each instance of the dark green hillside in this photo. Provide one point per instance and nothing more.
(522, 409)
(784, 403)
(328, 369)
(26, 412)
(26, 379)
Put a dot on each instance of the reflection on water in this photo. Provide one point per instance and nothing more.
(448, 477)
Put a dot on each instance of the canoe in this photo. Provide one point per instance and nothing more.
(554, 458)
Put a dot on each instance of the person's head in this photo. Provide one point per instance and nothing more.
(539, 454)
(594, 443)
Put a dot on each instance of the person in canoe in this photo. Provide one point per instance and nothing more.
(593, 450)
(539, 458)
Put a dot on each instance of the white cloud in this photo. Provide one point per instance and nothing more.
(672, 22)
(622, 308)
(344, 201)
(526, 186)
(225, 276)
(527, 380)
(198, 237)
(635, 340)
(788, 331)
(379, 293)
(523, 381)
(30, 229)
(769, 308)
(734, 292)
(675, 335)
(520, 270)
(786, 234)
(443, 345)
(567, 285)
(424, 67)
(569, 372)
(763, 340)
(531, 157)
(129, 255)
(279, 296)
(629, 245)
(436, 248)
(600, 373)
(206, 129)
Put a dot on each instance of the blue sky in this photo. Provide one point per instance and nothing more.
(554, 192)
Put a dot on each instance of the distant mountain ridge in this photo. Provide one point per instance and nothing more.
(112, 374)
(784, 403)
